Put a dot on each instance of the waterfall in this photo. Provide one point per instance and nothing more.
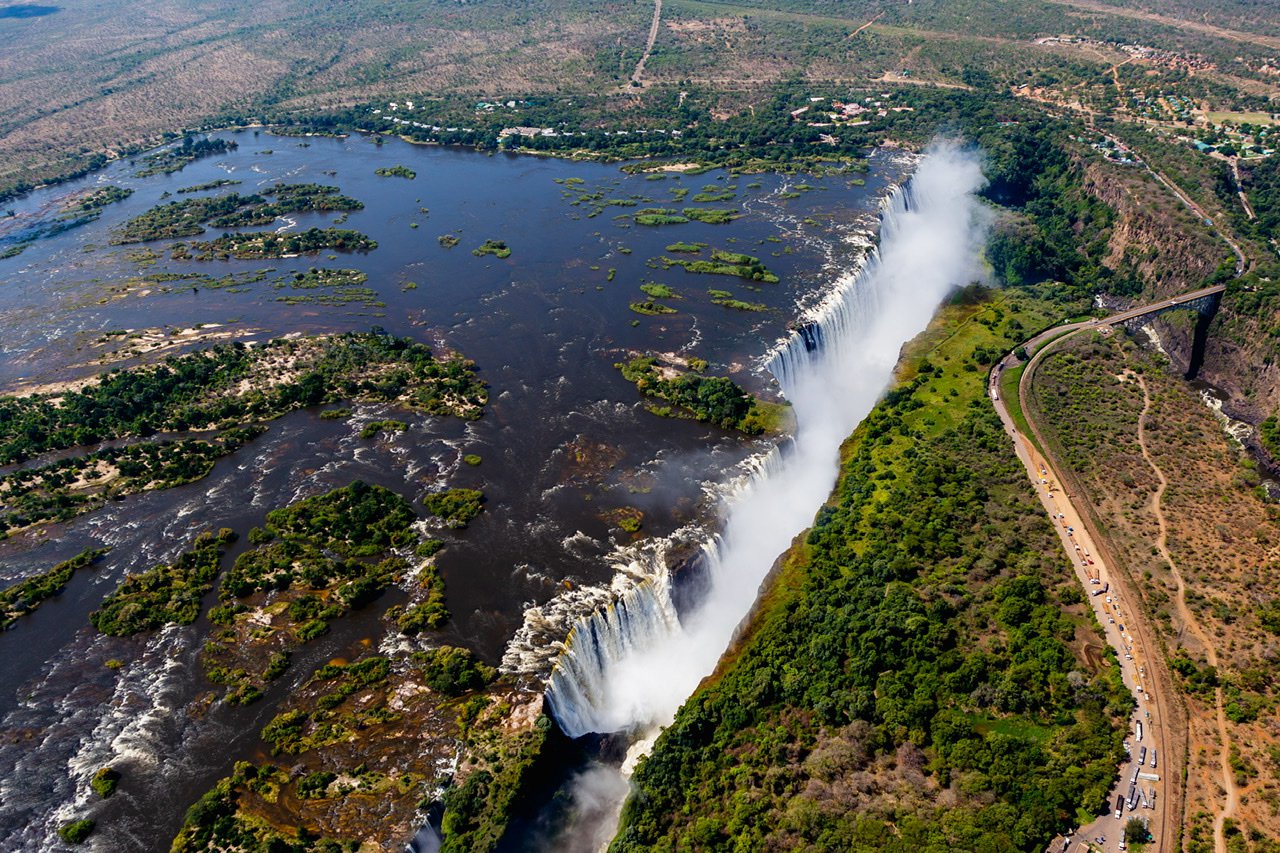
(630, 665)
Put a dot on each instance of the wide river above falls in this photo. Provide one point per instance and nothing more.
(564, 441)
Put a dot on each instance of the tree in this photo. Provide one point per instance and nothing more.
(1135, 831)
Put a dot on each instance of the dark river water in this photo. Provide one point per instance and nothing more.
(563, 441)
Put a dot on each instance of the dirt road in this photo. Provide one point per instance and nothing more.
(638, 73)
(1189, 620)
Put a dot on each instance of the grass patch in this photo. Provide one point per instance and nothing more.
(651, 308)
(497, 248)
(657, 291)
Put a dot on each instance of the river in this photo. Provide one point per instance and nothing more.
(564, 441)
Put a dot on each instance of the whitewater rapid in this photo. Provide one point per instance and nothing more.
(630, 664)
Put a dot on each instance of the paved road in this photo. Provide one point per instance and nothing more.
(1127, 634)
(1116, 606)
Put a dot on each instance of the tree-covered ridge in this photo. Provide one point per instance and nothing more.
(232, 383)
(909, 682)
(166, 594)
(188, 217)
(714, 399)
(26, 595)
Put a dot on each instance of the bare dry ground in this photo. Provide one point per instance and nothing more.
(1222, 538)
(92, 78)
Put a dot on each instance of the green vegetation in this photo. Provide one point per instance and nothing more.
(691, 248)
(1269, 435)
(471, 459)
(725, 263)
(167, 594)
(454, 671)
(76, 831)
(497, 248)
(915, 640)
(316, 785)
(738, 304)
(478, 810)
(214, 821)
(26, 595)
(188, 217)
(659, 216)
(711, 215)
(175, 159)
(223, 388)
(211, 185)
(1135, 831)
(628, 518)
(96, 199)
(316, 559)
(428, 612)
(204, 389)
(61, 490)
(651, 308)
(396, 172)
(328, 287)
(372, 428)
(713, 399)
(448, 240)
(657, 291)
(456, 507)
(270, 244)
(104, 782)
(297, 731)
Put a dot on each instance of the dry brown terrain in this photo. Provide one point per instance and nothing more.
(89, 78)
(1179, 505)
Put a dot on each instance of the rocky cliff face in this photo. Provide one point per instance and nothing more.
(1170, 252)
(1158, 239)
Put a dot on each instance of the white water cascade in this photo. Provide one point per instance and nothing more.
(630, 665)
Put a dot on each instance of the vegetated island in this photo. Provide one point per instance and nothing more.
(211, 185)
(497, 248)
(26, 595)
(669, 216)
(175, 159)
(379, 726)
(723, 263)
(396, 172)
(327, 287)
(713, 399)
(98, 198)
(651, 308)
(188, 217)
(313, 562)
(725, 299)
(380, 729)
(455, 507)
(256, 246)
(77, 209)
(230, 390)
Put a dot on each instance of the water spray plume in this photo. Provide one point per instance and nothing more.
(631, 665)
